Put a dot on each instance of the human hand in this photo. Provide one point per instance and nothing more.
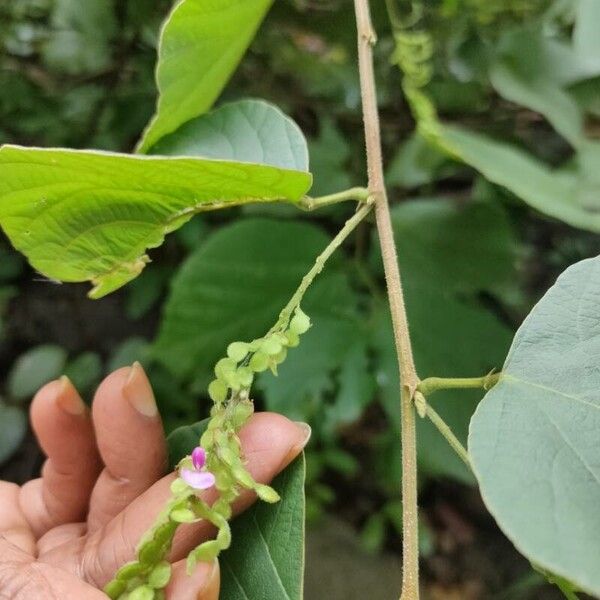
(65, 534)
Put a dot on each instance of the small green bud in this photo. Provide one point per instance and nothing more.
(150, 552)
(179, 487)
(164, 533)
(281, 356)
(259, 362)
(267, 494)
(114, 588)
(300, 322)
(228, 456)
(129, 571)
(222, 507)
(160, 575)
(243, 477)
(237, 351)
(224, 536)
(207, 439)
(217, 390)
(245, 376)
(182, 515)
(293, 339)
(143, 592)
(224, 367)
(241, 413)
(271, 346)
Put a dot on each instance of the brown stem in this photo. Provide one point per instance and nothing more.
(407, 371)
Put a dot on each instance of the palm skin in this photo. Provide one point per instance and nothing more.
(65, 534)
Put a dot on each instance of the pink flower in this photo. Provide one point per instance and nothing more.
(196, 477)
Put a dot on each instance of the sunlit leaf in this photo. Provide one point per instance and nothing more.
(91, 216)
(534, 438)
(201, 43)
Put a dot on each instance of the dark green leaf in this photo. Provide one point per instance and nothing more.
(13, 425)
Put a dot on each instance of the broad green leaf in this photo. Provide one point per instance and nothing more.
(35, 368)
(246, 131)
(534, 438)
(556, 194)
(232, 289)
(13, 426)
(201, 44)
(183, 440)
(91, 216)
(266, 558)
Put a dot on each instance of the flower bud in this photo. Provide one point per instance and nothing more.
(300, 322)
(267, 494)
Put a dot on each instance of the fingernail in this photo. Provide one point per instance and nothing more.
(306, 430)
(210, 589)
(138, 391)
(68, 399)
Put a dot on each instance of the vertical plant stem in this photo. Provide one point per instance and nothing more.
(407, 371)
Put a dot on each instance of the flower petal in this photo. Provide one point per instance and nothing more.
(198, 457)
(199, 480)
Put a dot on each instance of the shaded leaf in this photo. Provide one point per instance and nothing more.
(84, 215)
(13, 425)
(201, 43)
(534, 438)
(85, 371)
(246, 131)
(232, 289)
(35, 368)
(272, 535)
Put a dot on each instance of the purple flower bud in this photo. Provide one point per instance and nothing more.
(199, 480)
(198, 457)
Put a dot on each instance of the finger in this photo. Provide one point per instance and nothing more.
(62, 424)
(269, 441)
(131, 442)
(13, 525)
(203, 584)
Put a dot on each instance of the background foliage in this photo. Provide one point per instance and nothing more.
(478, 230)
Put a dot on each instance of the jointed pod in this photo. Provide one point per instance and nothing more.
(217, 461)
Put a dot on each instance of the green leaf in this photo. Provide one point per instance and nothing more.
(84, 215)
(85, 371)
(246, 131)
(130, 350)
(35, 368)
(232, 289)
(534, 438)
(13, 425)
(586, 41)
(183, 440)
(552, 193)
(201, 44)
(266, 559)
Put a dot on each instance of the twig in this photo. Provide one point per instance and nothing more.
(408, 375)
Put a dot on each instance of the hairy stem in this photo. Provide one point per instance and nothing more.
(408, 375)
(433, 384)
(358, 194)
(336, 242)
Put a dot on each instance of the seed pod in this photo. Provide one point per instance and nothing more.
(245, 376)
(266, 493)
(241, 413)
(115, 588)
(237, 351)
(217, 390)
(300, 322)
(293, 339)
(143, 592)
(224, 367)
(182, 515)
(160, 575)
(259, 362)
(271, 346)
(129, 571)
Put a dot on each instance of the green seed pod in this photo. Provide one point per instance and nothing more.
(207, 440)
(150, 553)
(271, 346)
(237, 351)
(182, 515)
(293, 339)
(300, 322)
(143, 592)
(259, 362)
(245, 376)
(243, 477)
(159, 595)
(164, 533)
(217, 390)
(281, 356)
(223, 507)
(208, 551)
(129, 571)
(115, 588)
(224, 536)
(266, 493)
(241, 413)
(160, 575)
(179, 487)
(224, 367)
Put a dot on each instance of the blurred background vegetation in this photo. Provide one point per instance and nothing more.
(79, 73)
